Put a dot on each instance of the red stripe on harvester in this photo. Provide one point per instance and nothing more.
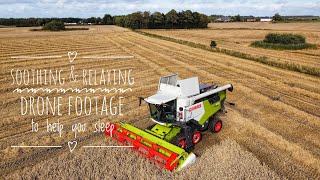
(151, 152)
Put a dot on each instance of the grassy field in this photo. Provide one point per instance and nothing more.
(271, 132)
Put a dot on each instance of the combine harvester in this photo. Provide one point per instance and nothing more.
(181, 110)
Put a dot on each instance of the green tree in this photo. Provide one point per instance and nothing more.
(182, 21)
(171, 19)
(40, 22)
(146, 19)
(54, 26)
(120, 20)
(91, 20)
(203, 21)
(158, 20)
(236, 18)
(98, 20)
(189, 17)
(277, 17)
(135, 20)
(107, 19)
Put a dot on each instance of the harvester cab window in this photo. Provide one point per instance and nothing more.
(170, 110)
(163, 112)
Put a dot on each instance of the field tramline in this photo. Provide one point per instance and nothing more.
(271, 132)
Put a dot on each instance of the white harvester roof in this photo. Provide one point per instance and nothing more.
(171, 88)
(161, 98)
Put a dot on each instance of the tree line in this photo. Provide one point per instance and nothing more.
(29, 22)
(157, 20)
(137, 20)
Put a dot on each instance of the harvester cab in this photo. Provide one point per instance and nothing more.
(181, 111)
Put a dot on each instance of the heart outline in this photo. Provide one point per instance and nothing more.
(72, 53)
(70, 143)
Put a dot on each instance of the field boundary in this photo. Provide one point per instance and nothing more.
(262, 59)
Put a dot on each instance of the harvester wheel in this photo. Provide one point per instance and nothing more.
(196, 137)
(182, 143)
(179, 140)
(215, 125)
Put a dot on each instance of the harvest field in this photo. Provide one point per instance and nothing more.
(239, 36)
(273, 131)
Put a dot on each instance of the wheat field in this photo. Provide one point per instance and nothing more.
(239, 36)
(271, 132)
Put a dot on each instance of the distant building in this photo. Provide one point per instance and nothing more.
(266, 19)
(251, 19)
(248, 19)
(223, 19)
(69, 24)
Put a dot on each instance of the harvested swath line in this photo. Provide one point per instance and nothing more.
(239, 40)
(108, 57)
(231, 71)
(60, 48)
(140, 58)
(222, 160)
(244, 136)
(234, 64)
(198, 72)
(35, 57)
(297, 152)
(264, 60)
(83, 51)
(306, 136)
(249, 83)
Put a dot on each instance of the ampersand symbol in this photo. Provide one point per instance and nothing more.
(73, 76)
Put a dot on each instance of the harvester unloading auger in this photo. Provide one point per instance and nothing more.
(181, 110)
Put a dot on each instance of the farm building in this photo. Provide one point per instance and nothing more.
(266, 19)
(69, 24)
(248, 19)
(223, 19)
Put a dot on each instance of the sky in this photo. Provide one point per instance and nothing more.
(97, 8)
